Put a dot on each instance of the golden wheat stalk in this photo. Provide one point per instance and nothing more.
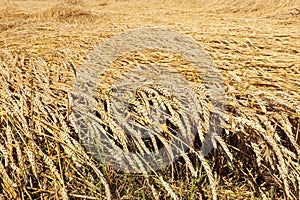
(171, 193)
(8, 183)
(208, 171)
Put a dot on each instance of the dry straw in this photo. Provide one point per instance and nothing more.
(256, 49)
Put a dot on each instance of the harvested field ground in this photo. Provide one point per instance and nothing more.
(254, 44)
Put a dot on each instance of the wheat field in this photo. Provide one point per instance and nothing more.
(254, 44)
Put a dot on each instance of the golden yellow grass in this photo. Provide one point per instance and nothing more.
(255, 45)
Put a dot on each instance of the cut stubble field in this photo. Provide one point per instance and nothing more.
(254, 44)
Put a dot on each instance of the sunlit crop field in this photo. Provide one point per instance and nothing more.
(254, 44)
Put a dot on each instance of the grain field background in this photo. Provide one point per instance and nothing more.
(254, 44)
